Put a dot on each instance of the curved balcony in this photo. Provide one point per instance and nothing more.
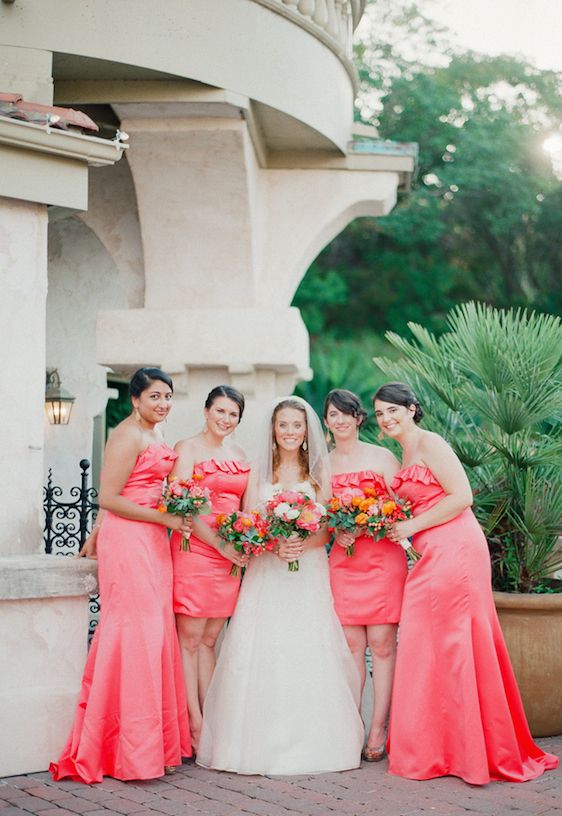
(332, 21)
(289, 57)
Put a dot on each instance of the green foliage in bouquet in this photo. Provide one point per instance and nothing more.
(491, 385)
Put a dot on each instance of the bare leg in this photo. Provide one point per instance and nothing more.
(356, 637)
(382, 643)
(207, 657)
(190, 634)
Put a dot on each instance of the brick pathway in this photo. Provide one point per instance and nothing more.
(368, 790)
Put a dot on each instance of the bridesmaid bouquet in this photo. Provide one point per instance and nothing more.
(382, 515)
(247, 532)
(290, 512)
(349, 512)
(184, 497)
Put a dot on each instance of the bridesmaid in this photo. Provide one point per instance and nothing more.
(205, 593)
(367, 586)
(131, 720)
(456, 708)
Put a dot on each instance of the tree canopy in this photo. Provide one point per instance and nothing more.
(483, 221)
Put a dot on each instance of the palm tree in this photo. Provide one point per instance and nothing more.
(492, 386)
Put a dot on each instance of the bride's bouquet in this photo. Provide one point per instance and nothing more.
(291, 512)
(349, 512)
(247, 532)
(184, 497)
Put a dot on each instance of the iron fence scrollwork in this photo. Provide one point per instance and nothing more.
(68, 523)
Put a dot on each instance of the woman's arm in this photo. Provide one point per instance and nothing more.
(89, 548)
(447, 469)
(121, 452)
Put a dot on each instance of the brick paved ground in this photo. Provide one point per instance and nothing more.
(368, 790)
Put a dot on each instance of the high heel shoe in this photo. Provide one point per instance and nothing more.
(169, 770)
(374, 754)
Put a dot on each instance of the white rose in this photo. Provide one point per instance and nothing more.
(281, 509)
(292, 513)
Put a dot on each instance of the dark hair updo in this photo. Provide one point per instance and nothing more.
(144, 377)
(347, 402)
(226, 391)
(400, 394)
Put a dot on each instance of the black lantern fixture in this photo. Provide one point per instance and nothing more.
(58, 402)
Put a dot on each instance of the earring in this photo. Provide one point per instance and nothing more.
(137, 415)
(274, 445)
(380, 436)
(305, 445)
(205, 427)
(328, 438)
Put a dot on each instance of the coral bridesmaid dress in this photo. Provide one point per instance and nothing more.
(203, 586)
(131, 718)
(456, 708)
(368, 586)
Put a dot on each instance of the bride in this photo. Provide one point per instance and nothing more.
(285, 694)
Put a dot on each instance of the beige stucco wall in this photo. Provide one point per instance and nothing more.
(43, 643)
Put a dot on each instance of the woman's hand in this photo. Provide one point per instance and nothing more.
(182, 524)
(292, 548)
(240, 559)
(401, 530)
(345, 539)
(89, 550)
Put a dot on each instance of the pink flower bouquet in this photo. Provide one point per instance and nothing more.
(184, 497)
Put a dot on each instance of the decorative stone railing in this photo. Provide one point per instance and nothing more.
(332, 21)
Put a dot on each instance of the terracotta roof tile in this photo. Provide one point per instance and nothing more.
(13, 106)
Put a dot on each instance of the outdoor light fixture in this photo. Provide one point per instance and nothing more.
(58, 402)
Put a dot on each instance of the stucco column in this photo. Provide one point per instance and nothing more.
(23, 271)
(202, 215)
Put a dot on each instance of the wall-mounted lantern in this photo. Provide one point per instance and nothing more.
(58, 402)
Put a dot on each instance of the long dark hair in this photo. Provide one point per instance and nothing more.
(144, 377)
(399, 393)
(303, 454)
(226, 391)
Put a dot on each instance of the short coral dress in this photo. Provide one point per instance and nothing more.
(456, 708)
(131, 718)
(203, 586)
(367, 586)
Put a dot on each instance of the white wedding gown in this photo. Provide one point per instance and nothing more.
(285, 693)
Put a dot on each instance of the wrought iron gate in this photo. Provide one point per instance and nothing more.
(68, 523)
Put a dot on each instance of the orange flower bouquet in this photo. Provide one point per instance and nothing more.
(382, 515)
(247, 532)
(349, 512)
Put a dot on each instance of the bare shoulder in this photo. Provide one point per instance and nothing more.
(185, 447)
(433, 449)
(381, 458)
(127, 435)
(433, 443)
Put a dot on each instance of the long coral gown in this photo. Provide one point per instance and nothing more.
(203, 586)
(456, 708)
(367, 586)
(131, 718)
(285, 693)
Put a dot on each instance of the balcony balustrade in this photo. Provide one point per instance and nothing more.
(332, 21)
